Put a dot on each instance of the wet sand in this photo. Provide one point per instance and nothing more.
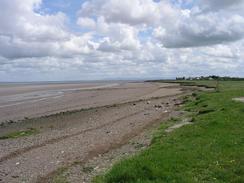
(114, 114)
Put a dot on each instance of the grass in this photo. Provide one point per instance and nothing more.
(60, 176)
(210, 150)
(17, 134)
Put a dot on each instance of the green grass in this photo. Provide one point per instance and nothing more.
(60, 176)
(18, 134)
(210, 150)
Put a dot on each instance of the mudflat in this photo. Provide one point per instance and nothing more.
(32, 100)
(94, 119)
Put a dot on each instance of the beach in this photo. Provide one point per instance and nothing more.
(75, 122)
(19, 101)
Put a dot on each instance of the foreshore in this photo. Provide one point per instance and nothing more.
(79, 125)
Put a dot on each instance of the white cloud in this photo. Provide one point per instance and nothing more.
(85, 22)
(202, 30)
(215, 5)
(118, 39)
(126, 11)
(27, 33)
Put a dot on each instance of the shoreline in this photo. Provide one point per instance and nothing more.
(68, 137)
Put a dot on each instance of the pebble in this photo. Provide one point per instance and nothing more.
(15, 176)
(157, 106)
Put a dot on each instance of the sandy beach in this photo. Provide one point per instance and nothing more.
(94, 118)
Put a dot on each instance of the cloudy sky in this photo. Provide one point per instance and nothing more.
(120, 39)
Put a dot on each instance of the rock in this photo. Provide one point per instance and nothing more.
(157, 106)
(15, 176)
(176, 104)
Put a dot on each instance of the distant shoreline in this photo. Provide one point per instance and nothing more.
(66, 82)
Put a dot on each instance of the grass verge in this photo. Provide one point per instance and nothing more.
(209, 150)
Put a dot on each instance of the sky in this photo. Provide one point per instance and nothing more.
(57, 40)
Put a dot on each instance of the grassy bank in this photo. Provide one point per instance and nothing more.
(211, 149)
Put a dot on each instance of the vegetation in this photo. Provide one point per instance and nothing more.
(213, 77)
(209, 150)
(17, 134)
(60, 176)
